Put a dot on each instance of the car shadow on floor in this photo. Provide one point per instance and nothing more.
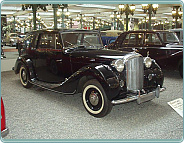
(172, 74)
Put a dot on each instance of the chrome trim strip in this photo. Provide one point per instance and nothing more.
(140, 97)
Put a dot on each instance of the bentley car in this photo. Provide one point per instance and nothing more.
(161, 45)
(4, 129)
(74, 61)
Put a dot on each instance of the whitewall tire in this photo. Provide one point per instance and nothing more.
(95, 100)
(24, 77)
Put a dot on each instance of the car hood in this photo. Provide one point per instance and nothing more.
(98, 56)
(102, 53)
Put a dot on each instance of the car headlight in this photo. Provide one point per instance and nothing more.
(148, 62)
(118, 64)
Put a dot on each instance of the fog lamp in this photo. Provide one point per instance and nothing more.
(148, 62)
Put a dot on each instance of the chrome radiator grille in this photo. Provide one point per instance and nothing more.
(134, 73)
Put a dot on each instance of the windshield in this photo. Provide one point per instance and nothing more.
(13, 35)
(85, 40)
(169, 37)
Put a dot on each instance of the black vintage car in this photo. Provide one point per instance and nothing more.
(161, 45)
(74, 61)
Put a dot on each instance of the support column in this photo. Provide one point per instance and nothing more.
(176, 22)
(24, 26)
(93, 23)
(34, 16)
(55, 6)
(14, 24)
(81, 21)
(70, 22)
(114, 20)
(63, 18)
(150, 12)
(126, 21)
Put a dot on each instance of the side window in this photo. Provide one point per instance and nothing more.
(125, 42)
(152, 39)
(49, 41)
(28, 41)
(134, 39)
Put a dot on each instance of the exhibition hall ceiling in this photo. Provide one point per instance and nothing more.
(98, 11)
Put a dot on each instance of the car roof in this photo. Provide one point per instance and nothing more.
(64, 30)
(146, 31)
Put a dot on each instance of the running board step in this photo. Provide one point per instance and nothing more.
(44, 84)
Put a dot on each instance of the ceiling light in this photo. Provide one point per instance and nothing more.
(77, 18)
(155, 6)
(132, 7)
(58, 13)
(121, 6)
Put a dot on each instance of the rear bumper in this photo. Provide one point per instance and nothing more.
(4, 132)
(140, 97)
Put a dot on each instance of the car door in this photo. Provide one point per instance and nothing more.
(153, 46)
(133, 42)
(49, 58)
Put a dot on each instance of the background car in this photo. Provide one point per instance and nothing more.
(163, 46)
(109, 36)
(179, 32)
(19, 39)
(11, 39)
(4, 129)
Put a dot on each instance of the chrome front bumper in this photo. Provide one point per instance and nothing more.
(4, 132)
(140, 97)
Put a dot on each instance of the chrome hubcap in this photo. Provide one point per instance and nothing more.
(93, 98)
(23, 75)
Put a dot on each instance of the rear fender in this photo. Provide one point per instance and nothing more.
(28, 63)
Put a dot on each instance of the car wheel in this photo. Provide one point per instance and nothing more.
(180, 68)
(24, 77)
(95, 100)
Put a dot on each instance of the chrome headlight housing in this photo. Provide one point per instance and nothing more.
(147, 62)
(118, 64)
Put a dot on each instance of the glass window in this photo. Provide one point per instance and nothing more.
(152, 39)
(169, 37)
(29, 40)
(86, 40)
(13, 35)
(49, 41)
(134, 39)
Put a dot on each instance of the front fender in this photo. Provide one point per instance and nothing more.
(102, 73)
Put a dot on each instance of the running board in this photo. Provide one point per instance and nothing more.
(44, 84)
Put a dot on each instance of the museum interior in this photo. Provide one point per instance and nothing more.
(92, 72)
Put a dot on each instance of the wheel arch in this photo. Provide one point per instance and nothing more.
(28, 63)
(105, 76)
